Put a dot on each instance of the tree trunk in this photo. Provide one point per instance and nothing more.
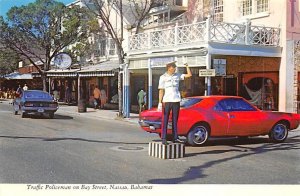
(44, 79)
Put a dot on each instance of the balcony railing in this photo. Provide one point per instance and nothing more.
(204, 32)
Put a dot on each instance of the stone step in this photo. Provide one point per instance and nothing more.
(170, 151)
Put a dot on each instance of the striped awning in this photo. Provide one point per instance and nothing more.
(96, 74)
(62, 73)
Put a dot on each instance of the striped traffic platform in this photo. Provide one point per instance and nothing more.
(169, 151)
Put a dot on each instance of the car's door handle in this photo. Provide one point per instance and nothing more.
(231, 116)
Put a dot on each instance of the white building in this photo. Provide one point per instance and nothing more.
(243, 40)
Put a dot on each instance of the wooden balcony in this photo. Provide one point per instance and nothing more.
(200, 34)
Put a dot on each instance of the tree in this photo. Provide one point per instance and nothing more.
(40, 30)
(102, 9)
(8, 61)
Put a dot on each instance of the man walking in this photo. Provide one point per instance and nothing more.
(25, 87)
(97, 95)
(141, 98)
(169, 98)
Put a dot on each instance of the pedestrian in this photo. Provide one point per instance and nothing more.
(97, 95)
(19, 91)
(103, 98)
(169, 98)
(55, 95)
(68, 94)
(25, 87)
(141, 98)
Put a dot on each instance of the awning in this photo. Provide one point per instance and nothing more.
(18, 76)
(103, 69)
(100, 70)
(62, 73)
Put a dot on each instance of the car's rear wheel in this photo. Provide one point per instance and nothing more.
(279, 132)
(15, 112)
(198, 134)
(51, 115)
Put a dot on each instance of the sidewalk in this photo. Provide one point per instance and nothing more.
(90, 113)
(104, 114)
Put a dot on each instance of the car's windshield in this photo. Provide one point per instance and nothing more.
(36, 95)
(187, 102)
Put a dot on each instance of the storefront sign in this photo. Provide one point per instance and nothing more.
(207, 72)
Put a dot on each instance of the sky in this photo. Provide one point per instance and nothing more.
(5, 5)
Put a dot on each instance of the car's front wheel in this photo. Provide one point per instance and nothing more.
(23, 114)
(198, 134)
(279, 132)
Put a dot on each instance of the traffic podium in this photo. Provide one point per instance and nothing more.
(169, 151)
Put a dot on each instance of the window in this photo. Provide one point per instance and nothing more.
(112, 47)
(37, 95)
(247, 7)
(262, 6)
(250, 7)
(187, 102)
(218, 10)
(103, 47)
(234, 104)
(178, 2)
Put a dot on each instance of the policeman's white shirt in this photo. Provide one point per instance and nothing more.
(170, 83)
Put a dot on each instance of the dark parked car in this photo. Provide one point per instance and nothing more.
(35, 102)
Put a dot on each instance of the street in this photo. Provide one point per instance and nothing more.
(72, 149)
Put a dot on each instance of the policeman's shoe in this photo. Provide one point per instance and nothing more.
(164, 142)
(179, 141)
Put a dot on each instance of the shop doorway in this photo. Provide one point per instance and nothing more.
(137, 83)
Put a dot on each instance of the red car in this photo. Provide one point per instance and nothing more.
(222, 116)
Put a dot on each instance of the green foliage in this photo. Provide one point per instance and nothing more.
(8, 61)
(40, 30)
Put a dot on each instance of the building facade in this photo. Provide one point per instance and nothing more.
(244, 41)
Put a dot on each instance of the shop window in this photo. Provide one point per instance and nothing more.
(262, 92)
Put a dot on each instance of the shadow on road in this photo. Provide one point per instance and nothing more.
(56, 116)
(197, 172)
(73, 139)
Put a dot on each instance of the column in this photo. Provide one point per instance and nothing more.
(79, 89)
(149, 84)
(208, 58)
(247, 30)
(126, 91)
(49, 85)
